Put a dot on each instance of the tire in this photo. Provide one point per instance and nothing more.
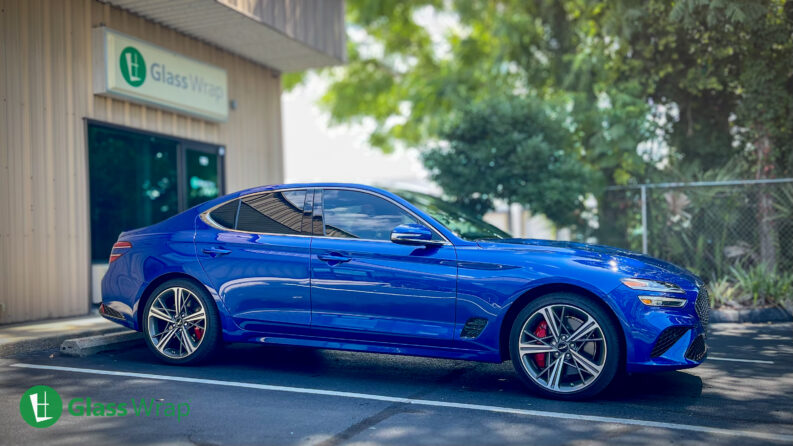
(165, 331)
(588, 365)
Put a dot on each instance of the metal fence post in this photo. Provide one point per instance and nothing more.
(644, 219)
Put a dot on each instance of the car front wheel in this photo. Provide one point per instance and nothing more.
(180, 323)
(564, 346)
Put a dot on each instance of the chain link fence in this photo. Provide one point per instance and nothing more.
(715, 229)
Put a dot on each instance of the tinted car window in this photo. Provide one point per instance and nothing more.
(274, 212)
(225, 215)
(352, 214)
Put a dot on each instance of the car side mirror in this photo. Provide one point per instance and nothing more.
(413, 234)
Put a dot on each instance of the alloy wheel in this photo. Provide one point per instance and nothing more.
(177, 322)
(562, 348)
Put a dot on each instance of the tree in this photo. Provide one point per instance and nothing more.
(511, 149)
(727, 68)
(708, 81)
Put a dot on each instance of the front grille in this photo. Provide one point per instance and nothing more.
(696, 351)
(703, 306)
(667, 339)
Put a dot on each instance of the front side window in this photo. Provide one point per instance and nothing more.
(352, 214)
(272, 212)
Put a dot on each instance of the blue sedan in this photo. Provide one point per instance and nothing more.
(352, 267)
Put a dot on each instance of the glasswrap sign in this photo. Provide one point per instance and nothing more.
(132, 69)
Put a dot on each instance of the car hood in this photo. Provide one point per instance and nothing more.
(629, 262)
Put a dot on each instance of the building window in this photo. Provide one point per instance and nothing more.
(137, 179)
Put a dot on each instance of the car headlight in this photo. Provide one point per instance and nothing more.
(651, 285)
(662, 301)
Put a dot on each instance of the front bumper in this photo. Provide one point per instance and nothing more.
(665, 338)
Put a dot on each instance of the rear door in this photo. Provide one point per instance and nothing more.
(365, 287)
(255, 251)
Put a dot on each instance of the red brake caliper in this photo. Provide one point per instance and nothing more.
(541, 331)
(200, 332)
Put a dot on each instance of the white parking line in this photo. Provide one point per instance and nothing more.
(394, 399)
(757, 361)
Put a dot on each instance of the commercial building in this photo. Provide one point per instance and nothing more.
(116, 114)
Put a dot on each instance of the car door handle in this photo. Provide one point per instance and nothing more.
(334, 258)
(216, 252)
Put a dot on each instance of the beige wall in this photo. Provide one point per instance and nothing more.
(46, 91)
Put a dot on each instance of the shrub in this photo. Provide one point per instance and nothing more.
(762, 285)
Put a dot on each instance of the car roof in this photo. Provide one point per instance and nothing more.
(305, 185)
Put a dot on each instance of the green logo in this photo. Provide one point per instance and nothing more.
(40, 406)
(133, 67)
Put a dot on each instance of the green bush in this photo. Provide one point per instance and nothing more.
(761, 284)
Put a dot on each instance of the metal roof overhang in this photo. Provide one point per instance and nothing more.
(235, 27)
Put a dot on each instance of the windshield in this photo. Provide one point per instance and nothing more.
(461, 223)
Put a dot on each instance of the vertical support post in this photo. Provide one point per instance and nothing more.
(644, 219)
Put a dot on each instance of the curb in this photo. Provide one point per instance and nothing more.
(751, 315)
(94, 344)
(51, 341)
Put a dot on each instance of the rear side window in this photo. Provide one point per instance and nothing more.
(225, 215)
(272, 212)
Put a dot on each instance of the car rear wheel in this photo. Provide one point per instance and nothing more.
(564, 346)
(180, 323)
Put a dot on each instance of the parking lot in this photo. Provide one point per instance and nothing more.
(279, 395)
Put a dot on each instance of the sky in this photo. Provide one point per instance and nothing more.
(313, 151)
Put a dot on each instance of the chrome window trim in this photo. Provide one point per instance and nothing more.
(208, 220)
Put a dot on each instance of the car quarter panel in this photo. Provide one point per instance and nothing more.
(153, 255)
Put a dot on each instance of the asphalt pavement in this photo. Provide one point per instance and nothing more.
(742, 395)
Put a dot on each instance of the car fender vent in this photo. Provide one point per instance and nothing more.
(667, 339)
(473, 327)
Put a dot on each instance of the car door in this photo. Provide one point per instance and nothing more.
(255, 252)
(365, 287)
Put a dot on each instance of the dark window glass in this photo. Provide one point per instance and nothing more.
(133, 182)
(274, 213)
(354, 214)
(139, 179)
(226, 215)
(202, 176)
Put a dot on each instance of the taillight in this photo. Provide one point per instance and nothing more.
(119, 249)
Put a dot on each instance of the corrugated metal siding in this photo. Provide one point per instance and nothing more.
(46, 91)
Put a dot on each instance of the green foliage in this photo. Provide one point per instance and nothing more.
(707, 82)
(762, 284)
(723, 292)
(511, 149)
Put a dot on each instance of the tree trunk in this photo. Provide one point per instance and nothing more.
(767, 232)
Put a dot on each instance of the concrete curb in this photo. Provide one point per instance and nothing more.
(95, 344)
(751, 315)
(50, 341)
